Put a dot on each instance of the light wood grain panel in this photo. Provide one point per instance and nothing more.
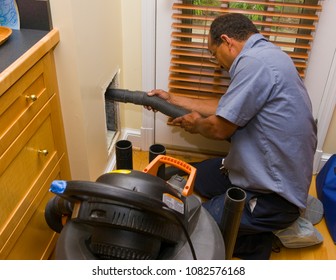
(18, 107)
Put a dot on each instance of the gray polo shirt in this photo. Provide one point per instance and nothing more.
(273, 148)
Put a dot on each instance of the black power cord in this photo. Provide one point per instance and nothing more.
(185, 231)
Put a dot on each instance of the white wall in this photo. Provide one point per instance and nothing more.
(131, 115)
(87, 57)
(329, 145)
(321, 75)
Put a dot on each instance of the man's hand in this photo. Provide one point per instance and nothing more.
(188, 122)
(159, 93)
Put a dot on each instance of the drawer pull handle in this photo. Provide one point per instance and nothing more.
(43, 152)
(32, 97)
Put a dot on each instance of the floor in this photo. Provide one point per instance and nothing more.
(324, 251)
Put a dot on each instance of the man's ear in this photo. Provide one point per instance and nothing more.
(226, 39)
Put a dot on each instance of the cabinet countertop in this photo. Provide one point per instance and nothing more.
(17, 44)
(23, 49)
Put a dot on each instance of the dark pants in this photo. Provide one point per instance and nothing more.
(271, 212)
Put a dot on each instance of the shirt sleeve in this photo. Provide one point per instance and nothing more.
(250, 88)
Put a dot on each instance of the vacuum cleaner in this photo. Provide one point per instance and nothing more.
(136, 215)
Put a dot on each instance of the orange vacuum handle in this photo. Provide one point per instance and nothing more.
(153, 166)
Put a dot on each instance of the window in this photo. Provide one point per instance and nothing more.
(290, 24)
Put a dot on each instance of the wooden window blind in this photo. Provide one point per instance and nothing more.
(288, 24)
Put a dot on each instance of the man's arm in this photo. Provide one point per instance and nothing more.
(206, 107)
(213, 127)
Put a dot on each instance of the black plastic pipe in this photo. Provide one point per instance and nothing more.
(234, 202)
(154, 151)
(141, 98)
(124, 154)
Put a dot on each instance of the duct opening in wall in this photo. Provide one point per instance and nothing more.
(112, 115)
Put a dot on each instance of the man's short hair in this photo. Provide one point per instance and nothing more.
(237, 26)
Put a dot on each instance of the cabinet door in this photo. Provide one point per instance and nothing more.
(37, 240)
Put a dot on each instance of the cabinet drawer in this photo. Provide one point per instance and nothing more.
(23, 100)
(23, 169)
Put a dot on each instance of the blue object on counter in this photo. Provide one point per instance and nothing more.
(9, 14)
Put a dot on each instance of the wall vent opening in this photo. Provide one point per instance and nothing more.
(112, 115)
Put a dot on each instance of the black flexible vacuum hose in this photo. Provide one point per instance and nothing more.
(56, 208)
(141, 98)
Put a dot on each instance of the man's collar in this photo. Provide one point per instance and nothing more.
(250, 42)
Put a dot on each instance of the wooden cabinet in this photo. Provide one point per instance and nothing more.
(32, 151)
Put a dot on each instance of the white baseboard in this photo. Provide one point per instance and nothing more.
(139, 142)
(323, 160)
(133, 135)
(147, 138)
(319, 160)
